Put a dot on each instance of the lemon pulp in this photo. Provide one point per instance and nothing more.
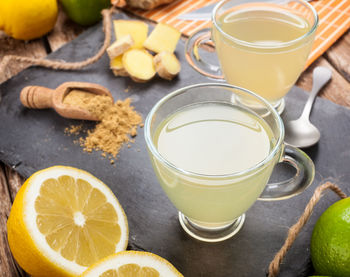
(131, 270)
(132, 264)
(76, 220)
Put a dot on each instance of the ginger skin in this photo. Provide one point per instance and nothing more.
(141, 4)
(167, 65)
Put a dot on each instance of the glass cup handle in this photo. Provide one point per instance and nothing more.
(305, 173)
(202, 39)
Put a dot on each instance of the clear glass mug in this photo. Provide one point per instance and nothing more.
(259, 57)
(211, 207)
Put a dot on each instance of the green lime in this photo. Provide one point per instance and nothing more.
(85, 12)
(330, 241)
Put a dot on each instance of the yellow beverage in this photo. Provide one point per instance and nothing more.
(266, 49)
(212, 141)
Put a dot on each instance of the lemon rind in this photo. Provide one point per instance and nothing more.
(165, 268)
(32, 190)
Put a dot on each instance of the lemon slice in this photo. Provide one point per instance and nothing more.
(63, 220)
(132, 264)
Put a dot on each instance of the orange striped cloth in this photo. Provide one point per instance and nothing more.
(334, 20)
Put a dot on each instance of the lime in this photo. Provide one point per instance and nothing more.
(330, 241)
(85, 12)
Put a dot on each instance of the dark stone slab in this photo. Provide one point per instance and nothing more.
(31, 140)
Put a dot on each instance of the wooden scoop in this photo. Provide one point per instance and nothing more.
(36, 97)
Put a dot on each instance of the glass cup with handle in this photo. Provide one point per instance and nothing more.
(213, 156)
(261, 45)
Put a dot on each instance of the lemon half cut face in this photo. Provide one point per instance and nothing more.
(63, 220)
(132, 264)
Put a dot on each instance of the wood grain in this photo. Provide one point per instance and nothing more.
(15, 182)
(5, 200)
(10, 46)
(337, 90)
(8, 266)
(339, 56)
(64, 31)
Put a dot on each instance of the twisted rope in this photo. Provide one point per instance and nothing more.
(293, 232)
(55, 64)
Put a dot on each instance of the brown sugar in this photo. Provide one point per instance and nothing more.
(73, 129)
(78, 98)
(119, 122)
(96, 104)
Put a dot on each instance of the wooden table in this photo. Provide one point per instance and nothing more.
(336, 58)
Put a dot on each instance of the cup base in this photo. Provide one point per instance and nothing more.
(211, 234)
(279, 106)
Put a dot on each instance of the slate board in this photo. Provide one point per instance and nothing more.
(31, 140)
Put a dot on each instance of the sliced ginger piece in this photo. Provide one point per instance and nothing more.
(120, 72)
(117, 62)
(137, 29)
(167, 65)
(163, 38)
(117, 67)
(138, 63)
(120, 46)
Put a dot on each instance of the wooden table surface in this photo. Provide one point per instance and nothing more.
(337, 58)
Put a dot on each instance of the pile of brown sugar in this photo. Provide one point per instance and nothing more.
(119, 121)
(94, 103)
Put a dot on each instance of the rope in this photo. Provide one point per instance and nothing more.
(55, 64)
(295, 229)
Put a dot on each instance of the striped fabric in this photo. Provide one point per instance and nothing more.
(334, 20)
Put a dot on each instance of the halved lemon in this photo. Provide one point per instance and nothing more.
(63, 220)
(132, 264)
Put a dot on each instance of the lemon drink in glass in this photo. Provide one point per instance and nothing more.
(213, 156)
(262, 46)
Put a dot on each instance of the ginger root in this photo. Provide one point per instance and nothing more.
(141, 4)
(163, 38)
(136, 29)
(128, 57)
(120, 46)
(117, 67)
(139, 65)
(167, 65)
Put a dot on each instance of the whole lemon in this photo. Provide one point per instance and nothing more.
(23, 19)
(330, 241)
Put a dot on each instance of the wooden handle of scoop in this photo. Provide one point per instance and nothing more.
(36, 97)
